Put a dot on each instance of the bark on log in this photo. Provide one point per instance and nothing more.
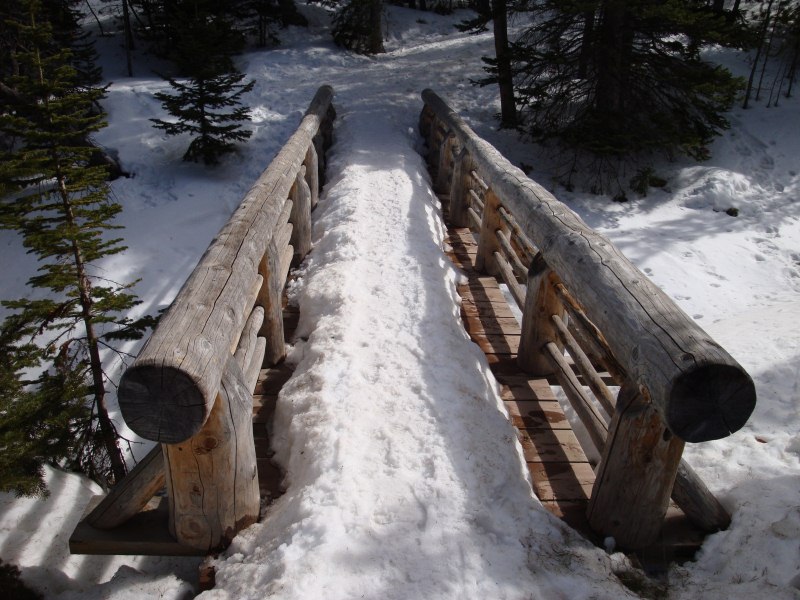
(700, 390)
(168, 393)
(212, 482)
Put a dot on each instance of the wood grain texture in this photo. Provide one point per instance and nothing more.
(212, 482)
(300, 217)
(636, 474)
(541, 303)
(487, 240)
(700, 390)
(132, 494)
(169, 391)
(459, 186)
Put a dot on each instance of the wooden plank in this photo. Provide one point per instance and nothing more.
(488, 310)
(537, 414)
(497, 344)
(562, 481)
(550, 445)
(517, 386)
(497, 326)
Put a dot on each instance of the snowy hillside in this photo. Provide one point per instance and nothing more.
(404, 478)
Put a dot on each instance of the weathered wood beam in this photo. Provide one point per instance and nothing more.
(699, 389)
(541, 303)
(459, 187)
(131, 494)
(212, 482)
(636, 474)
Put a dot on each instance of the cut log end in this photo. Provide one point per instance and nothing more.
(162, 403)
(710, 402)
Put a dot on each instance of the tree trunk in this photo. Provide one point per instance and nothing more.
(587, 44)
(505, 80)
(612, 49)
(375, 43)
(126, 20)
(107, 430)
(761, 39)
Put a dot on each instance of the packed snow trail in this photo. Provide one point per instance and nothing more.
(404, 478)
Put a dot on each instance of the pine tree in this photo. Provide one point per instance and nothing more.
(208, 104)
(201, 107)
(358, 26)
(615, 79)
(63, 212)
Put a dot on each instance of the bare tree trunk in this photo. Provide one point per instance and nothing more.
(587, 43)
(107, 430)
(761, 38)
(126, 20)
(376, 27)
(505, 79)
(612, 49)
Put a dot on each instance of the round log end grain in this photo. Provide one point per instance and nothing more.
(162, 403)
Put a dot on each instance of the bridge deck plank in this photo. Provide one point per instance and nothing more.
(561, 475)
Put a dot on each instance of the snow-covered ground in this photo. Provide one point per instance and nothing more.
(404, 478)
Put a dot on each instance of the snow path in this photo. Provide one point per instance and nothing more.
(405, 480)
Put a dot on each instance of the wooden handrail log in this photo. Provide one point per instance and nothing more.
(169, 391)
(701, 392)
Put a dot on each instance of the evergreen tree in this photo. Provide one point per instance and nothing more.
(614, 79)
(208, 105)
(358, 26)
(63, 212)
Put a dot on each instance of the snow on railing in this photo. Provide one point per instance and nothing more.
(580, 293)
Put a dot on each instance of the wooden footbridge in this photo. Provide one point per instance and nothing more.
(640, 375)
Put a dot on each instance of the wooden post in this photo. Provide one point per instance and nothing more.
(312, 174)
(636, 474)
(426, 122)
(270, 299)
(443, 171)
(212, 482)
(301, 217)
(487, 240)
(459, 186)
(541, 303)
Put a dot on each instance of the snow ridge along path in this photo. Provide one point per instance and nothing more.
(404, 476)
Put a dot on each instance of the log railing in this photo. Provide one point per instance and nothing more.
(191, 386)
(588, 315)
